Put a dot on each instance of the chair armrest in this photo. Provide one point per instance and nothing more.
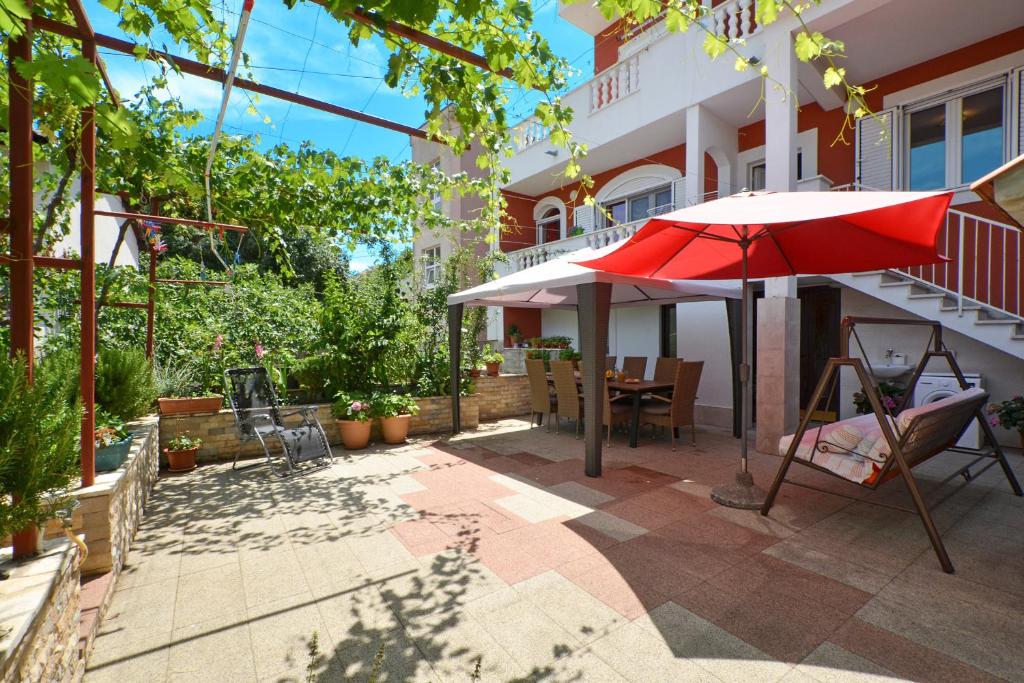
(307, 412)
(618, 397)
(656, 397)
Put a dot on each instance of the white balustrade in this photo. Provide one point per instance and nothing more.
(529, 133)
(612, 84)
(735, 20)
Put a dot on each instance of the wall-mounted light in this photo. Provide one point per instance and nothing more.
(551, 152)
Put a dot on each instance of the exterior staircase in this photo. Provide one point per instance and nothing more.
(985, 323)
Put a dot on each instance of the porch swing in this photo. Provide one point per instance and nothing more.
(871, 449)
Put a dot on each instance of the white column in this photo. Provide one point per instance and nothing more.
(696, 143)
(778, 314)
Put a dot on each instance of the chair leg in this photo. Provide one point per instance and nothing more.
(672, 436)
(693, 434)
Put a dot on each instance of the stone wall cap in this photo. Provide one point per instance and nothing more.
(26, 591)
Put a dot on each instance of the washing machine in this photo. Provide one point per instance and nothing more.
(937, 386)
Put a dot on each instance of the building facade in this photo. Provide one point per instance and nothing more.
(667, 127)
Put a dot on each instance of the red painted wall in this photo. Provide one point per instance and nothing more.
(606, 46)
(837, 160)
(528, 320)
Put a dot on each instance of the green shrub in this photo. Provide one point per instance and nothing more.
(352, 406)
(392, 405)
(125, 385)
(39, 442)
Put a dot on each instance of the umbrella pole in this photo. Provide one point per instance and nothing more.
(742, 493)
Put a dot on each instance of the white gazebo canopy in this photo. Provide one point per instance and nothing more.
(553, 285)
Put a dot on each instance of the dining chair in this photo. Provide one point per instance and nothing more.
(677, 411)
(567, 395)
(665, 368)
(634, 366)
(616, 411)
(541, 401)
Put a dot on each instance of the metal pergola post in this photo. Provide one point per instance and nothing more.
(87, 281)
(19, 128)
(594, 306)
(454, 359)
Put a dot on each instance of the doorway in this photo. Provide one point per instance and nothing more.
(820, 316)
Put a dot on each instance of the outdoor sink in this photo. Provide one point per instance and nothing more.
(889, 370)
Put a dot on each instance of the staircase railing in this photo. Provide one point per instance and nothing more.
(983, 266)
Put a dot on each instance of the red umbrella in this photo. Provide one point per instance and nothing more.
(770, 234)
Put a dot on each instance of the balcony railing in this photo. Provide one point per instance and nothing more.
(984, 263)
(734, 19)
(529, 133)
(614, 83)
(541, 253)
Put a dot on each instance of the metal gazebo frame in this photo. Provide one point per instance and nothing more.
(22, 259)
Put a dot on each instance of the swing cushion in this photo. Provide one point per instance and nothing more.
(854, 448)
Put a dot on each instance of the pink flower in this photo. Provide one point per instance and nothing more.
(356, 406)
(888, 402)
(994, 420)
(218, 342)
(259, 350)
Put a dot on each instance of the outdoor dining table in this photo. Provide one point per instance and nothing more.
(637, 389)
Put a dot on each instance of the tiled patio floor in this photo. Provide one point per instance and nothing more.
(495, 548)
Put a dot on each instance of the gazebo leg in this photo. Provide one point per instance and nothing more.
(594, 304)
(455, 356)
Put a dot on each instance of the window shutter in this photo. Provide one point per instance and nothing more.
(585, 217)
(1017, 116)
(877, 150)
(678, 193)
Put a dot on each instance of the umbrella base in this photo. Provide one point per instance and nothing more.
(742, 494)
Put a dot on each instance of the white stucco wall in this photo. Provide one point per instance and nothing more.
(1001, 374)
(703, 334)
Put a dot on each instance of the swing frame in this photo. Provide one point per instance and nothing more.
(904, 451)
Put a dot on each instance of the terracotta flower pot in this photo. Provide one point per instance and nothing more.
(493, 368)
(355, 434)
(395, 429)
(181, 461)
(197, 404)
(475, 372)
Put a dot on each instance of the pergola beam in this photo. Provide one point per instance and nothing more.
(191, 222)
(88, 35)
(211, 73)
(424, 39)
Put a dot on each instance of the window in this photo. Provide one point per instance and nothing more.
(431, 265)
(435, 197)
(927, 163)
(668, 331)
(758, 177)
(549, 228)
(981, 136)
(757, 174)
(955, 141)
(638, 207)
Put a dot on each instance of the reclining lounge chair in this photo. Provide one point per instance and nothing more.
(258, 416)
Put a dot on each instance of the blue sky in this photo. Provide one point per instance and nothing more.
(305, 50)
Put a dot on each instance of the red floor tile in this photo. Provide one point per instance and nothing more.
(904, 657)
(728, 542)
(553, 473)
(623, 591)
(421, 537)
(787, 629)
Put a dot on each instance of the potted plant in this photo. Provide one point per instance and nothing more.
(493, 360)
(352, 411)
(395, 412)
(1009, 414)
(514, 335)
(889, 393)
(181, 391)
(113, 442)
(474, 371)
(570, 354)
(181, 453)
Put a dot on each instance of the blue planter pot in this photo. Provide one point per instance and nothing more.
(109, 458)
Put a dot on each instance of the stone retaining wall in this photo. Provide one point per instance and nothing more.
(110, 510)
(39, 612)
(220, 440)
(503, 396)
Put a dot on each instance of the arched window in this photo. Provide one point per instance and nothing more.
(549, 226)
